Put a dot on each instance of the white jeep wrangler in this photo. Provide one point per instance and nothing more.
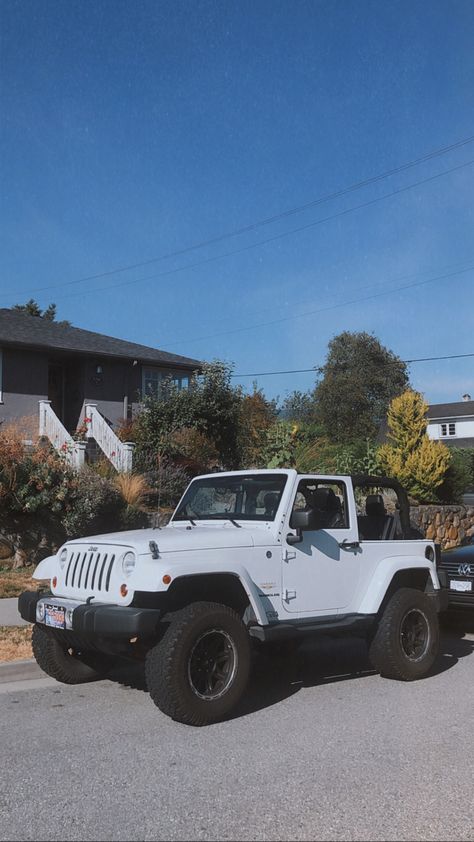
(248, 558)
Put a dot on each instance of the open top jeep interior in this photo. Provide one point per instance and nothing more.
(383, 512)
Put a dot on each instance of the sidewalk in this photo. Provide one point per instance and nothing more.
(9, 615)
(23, 675)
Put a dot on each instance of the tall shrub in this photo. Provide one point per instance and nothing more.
(419, 463)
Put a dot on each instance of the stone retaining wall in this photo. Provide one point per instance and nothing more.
(449, 526)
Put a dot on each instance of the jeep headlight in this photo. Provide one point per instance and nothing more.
(62, 557)
(128, 563)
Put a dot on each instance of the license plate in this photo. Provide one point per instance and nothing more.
(55, 616)
(460, 585)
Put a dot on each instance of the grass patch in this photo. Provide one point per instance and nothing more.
(14, 582)
(15, 643)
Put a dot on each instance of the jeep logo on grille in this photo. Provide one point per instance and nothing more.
(465, 569)
(92, 550)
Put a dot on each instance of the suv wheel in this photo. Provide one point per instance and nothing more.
(406, 640)
(198, 671)
(63, 662)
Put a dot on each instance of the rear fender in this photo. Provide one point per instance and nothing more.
(384, 574)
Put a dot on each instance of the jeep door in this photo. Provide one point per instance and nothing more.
(318, 575)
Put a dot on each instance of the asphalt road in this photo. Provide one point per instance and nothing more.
(322, 749)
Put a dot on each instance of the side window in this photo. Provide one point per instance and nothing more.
(329, 498)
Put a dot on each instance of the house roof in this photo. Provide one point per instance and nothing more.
(22, 330)
(450, 410)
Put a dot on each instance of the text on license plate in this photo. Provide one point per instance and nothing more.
(55, 616)
(458, 585)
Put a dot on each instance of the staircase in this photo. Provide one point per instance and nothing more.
(51, 428)
(119, 453)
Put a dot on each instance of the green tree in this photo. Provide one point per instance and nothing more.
(358, 380)
(257, 416)
(32, 308)
(459, 476)
(212, 405)
(299, 406)
(410, 456)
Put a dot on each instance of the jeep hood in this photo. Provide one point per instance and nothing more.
(174, 539)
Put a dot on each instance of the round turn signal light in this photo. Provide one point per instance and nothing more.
(55, 581)
(123, 590)
(166, 579)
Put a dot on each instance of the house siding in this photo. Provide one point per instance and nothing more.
(25, 382)
(464, 429)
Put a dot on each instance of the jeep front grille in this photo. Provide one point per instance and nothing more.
(89, 571)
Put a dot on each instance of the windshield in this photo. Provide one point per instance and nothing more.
(243, 497)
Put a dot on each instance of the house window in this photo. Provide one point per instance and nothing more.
(448, 429)
(181, 381)
(151, 379)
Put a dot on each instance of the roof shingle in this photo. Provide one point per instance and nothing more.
(20, 329)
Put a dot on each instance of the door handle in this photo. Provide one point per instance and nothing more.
(349, 545)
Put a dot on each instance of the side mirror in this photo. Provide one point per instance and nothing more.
(310, 519)
(304, 521)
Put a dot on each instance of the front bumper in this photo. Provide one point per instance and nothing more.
(98, 620)
(453, 598)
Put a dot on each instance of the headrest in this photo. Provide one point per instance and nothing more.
(324, 499)
(270, 499)
(374, 505)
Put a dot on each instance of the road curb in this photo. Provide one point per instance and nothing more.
(20, 670)
(9, 615)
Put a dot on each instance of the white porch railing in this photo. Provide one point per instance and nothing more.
(118, 452)
(51, 427)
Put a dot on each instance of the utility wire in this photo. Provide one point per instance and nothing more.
(267, 220)
(317, 369)
(272, 239)
(309, 301)
(327, 308)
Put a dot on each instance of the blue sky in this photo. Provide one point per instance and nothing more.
(130, 130)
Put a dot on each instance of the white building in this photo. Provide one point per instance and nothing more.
(452, 423)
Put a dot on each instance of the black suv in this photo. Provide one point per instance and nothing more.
(456, 574)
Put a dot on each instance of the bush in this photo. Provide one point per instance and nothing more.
(280, 445)
(211, 406)
(358, 458)
(97, 506)
(459, 476)
(168, 481)
(36, 481)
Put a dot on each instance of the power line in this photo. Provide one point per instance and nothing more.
(267, 220)
(327, 308)
(315, 369)
(373, 286)
(272, 239)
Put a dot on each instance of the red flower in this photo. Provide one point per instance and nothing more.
(113, 453)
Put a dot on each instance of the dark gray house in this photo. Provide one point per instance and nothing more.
(73, 368)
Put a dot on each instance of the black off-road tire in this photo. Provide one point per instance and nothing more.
(63, 662)
(405, 642)
(175, 676)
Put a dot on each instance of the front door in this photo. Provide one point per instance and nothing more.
(318, 574)
(56, 388)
